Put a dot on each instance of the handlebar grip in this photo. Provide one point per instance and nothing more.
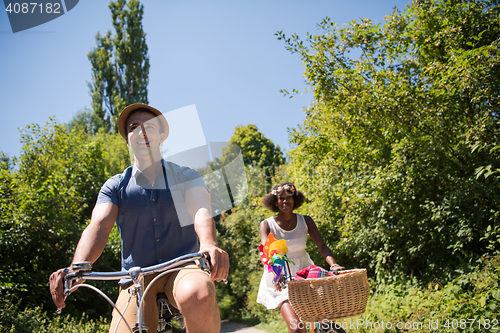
(66, 291)
(67, 284)
(207, 259)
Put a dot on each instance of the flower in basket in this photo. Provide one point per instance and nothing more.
(273, 255)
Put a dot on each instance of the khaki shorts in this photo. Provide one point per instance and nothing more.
(165, 284)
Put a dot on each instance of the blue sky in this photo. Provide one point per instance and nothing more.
(221, 56)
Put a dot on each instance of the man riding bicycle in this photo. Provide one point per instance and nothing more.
(150, 203)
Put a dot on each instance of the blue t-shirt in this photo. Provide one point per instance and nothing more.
(153, 221)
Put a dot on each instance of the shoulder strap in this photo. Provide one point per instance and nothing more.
(125, 177)
(302, 220)
(164, 175)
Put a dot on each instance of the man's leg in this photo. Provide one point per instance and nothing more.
(194, 296)
(123, 303)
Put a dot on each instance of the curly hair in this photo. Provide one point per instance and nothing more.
(269, 200)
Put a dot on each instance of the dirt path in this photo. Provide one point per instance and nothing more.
(230, 327)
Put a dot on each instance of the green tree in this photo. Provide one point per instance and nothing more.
(117, 155)
(45, 202)
(239, 236)
(83, 121)
(390, 147)
(257, 150)
(239, 228)
(120, 65)
(5, 163)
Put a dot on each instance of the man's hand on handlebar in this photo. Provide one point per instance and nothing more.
(57, 286)
(219, 261)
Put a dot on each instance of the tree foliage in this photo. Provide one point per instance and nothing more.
(239, 228)
(47, 194)
(45, 203)
(4, 161)
(239, 236)
(462, 305)
(120, 65)
(257, 150)
(404, 115)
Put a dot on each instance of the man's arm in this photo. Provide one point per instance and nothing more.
(198, 205)
(91, 244)
(96, 234)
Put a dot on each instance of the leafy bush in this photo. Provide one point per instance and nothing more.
(456, 306)
(239, 236)
(14, 320)
(405, 120)
(45, 202)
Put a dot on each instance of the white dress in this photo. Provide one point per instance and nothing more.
(296, 243)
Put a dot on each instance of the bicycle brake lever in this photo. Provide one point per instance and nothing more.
(206, 264)
(59, 310)
(67, 284)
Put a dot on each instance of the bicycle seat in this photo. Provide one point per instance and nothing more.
(167, 312)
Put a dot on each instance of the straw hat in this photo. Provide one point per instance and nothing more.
(122, 119)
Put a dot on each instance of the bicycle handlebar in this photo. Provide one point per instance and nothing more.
(83, 270)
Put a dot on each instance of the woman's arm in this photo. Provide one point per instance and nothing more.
(264, 231)
(320, 243)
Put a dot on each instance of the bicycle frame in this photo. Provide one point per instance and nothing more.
(83, 270)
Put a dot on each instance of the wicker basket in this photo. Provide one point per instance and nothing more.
(331, 298)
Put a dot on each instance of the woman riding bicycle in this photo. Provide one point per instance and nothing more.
(294, 228)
